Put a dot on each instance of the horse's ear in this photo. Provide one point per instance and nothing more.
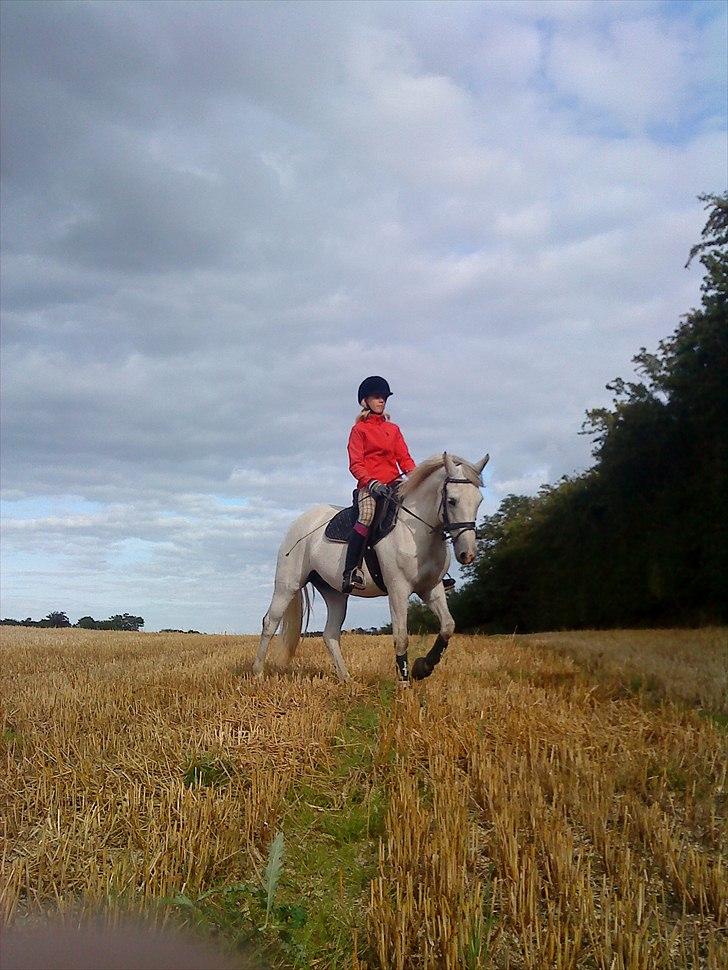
(449, 465)
(480, 465)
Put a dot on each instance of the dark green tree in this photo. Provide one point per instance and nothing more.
(642, 537)
(125, 621)
(57, 619)
(120, 621)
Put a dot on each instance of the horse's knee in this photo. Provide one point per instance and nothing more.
(401, 642)
(447, 629)
(269, 625)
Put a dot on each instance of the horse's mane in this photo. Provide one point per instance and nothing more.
(425, 468)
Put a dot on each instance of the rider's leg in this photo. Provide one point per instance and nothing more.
(353, 578)
(354, 552)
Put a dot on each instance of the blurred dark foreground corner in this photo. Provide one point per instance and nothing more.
(93, 945)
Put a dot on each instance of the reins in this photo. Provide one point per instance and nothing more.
(432, 528)
(388, 498)
(446, 529)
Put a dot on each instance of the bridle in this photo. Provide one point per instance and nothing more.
(448, 529)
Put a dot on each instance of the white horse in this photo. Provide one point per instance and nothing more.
(439, 500)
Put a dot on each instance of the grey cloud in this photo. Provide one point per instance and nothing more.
(146, 219)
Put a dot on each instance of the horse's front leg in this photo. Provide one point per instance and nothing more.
(437, 601)
(398, 600)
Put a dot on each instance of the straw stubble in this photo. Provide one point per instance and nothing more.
(542, 811)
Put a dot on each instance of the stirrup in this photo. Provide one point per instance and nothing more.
(449, 583)
(353, 580)
(357, 578)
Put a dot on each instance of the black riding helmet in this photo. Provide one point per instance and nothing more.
(372, 386)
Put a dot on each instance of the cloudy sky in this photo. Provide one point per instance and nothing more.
(219, 217)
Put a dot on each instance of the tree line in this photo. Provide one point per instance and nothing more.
(641, 537)
(58, 619)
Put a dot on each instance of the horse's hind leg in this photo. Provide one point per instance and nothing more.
(335, 615)
(271, 621)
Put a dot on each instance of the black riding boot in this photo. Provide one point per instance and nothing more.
(354, 554)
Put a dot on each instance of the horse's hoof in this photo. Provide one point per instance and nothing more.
(421, 669)
(403, 684)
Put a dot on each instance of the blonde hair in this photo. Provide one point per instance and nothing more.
(365, 412)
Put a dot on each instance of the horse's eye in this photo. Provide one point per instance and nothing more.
(452, 501)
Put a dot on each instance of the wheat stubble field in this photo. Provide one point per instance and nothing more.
(554, 800)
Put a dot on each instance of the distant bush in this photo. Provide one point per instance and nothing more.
(120, 621)
(57, 619)
(371, 631)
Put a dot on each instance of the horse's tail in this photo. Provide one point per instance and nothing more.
(297, 612)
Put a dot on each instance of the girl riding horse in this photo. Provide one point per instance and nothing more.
(378, 456)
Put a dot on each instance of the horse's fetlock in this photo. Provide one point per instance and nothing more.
(435, 652)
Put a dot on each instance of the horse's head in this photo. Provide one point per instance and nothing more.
(461, 498)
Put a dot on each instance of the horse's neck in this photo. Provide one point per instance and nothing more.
(425, 501)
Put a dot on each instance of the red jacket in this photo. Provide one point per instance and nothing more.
(377, 450)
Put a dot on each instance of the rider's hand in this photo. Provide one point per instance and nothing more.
(377, 488)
